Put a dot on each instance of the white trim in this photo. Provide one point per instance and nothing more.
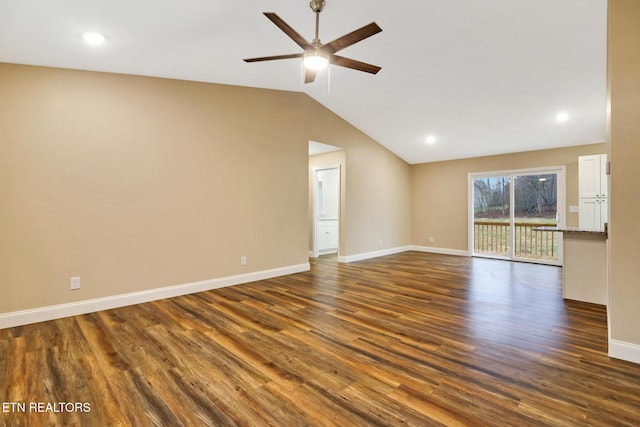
(327, 251)
(312, 255)
(624, 351)
(374, 254)
(25, 317)
(525, 171)
(443, 251)
(391, 251)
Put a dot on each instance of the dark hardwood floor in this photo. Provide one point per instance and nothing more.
(409, 339)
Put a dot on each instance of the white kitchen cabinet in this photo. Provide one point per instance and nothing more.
(593, 191)
(592, 178)
(593, 213)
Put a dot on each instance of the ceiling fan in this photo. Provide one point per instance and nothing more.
(317, 55)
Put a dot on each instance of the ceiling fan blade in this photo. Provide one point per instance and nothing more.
(352, 38)
(309, 75)
(272, 58)
(286, 28)
(353, 64)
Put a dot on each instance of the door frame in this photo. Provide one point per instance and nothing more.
(315, 251)
(561, 212)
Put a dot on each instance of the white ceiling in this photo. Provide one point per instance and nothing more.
(483, 76)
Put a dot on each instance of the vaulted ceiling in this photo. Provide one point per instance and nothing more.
(480, 76)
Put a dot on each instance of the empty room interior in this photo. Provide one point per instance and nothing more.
(298, 214)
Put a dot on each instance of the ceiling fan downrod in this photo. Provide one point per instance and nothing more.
(317, 6)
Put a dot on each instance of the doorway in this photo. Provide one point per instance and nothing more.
(508, 209)
(326, 215)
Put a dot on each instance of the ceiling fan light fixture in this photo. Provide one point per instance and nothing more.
(315, 60)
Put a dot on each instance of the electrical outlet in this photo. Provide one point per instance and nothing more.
(431, 239)
(380, 242)
(74, 283)
(243, 260)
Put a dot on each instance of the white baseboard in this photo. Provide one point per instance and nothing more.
(624, 351)
(374, 254)
(391, 251)
(25, 317)
(443, 251)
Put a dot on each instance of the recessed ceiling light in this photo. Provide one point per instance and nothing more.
(430, 139)
(93, 39)
(562, 117)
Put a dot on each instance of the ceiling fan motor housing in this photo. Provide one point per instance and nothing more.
(317, 5)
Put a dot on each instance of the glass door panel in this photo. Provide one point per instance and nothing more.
(491, 216)
(535, 202)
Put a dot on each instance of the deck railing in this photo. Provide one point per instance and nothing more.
(492, 237)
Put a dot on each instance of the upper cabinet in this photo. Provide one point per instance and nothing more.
(593, 191)
(592, 176)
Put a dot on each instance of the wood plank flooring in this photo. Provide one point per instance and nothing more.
(409, 339)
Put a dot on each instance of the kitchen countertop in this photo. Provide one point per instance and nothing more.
(576, 230)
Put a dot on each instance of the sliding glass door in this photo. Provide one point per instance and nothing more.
(507, 210)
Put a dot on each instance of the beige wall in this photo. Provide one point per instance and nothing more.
(624, 137)
(378, 191)
(440, 191)
(134, 183)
